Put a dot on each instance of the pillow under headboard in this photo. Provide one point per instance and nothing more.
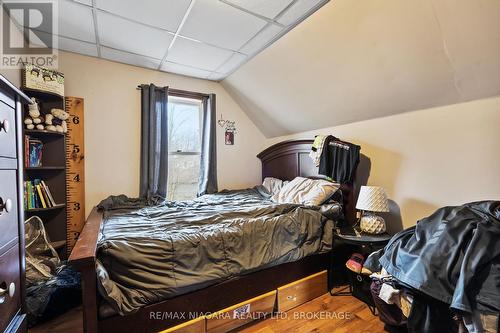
(289, 159)
(272, 185)
(306, 191)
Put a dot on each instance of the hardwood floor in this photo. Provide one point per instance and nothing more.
(70, 322)
(321, 315)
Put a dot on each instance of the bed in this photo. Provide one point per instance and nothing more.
(285, 160)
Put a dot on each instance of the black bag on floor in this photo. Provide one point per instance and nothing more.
(53, 297)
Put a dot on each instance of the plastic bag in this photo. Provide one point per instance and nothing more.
(42, 260)
(52, 288)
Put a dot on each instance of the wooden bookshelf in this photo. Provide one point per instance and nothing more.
(36, 210)
(44, 168)
(43, 95)
(58, 245)
(42, 132)
(52, 171)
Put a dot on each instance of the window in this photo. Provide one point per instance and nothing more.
(184, 146)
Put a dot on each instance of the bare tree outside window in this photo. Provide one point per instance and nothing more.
(184, 146)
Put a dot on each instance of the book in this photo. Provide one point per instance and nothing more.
(25, 191)
(40, 195)
(29, 194)
(38, 202)
(37, 195)
(49, 194)
(26, 150)
(33, 149)
(46, 197)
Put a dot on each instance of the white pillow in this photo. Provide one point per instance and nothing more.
(305, 191)
(272, 185)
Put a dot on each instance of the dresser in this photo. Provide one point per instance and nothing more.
(12, 262)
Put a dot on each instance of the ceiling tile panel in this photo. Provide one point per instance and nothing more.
(216, 76)
(71, 45)
(264, 37)
(125, 35)
(77, 46)
(36, 40)
(220, 24)
(184, 70)
(265, 8)
(128, 58)
(233, 62)
(85, 2)
(298, 10)
(196, 54)
(159, 13)
(75, 21)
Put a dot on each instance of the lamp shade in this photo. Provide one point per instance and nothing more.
(372, 199)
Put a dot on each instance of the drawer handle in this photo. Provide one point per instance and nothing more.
(5, 205)
(12, 289)
(4, 125)
(4, 291)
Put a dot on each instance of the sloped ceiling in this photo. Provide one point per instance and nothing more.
(357, 60)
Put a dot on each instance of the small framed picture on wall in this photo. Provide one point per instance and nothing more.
(229, 138)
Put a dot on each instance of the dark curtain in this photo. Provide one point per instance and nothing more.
(154, 142)
(208, 165)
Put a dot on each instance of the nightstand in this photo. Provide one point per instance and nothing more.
(359, 285)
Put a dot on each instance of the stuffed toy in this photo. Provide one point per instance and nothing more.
(57, 120)
(48, 123)
(34, 120)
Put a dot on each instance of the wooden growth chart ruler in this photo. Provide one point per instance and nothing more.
(75, 171)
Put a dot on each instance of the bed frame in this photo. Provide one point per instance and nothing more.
(285, 160)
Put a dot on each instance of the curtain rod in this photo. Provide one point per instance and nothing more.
(183, 93)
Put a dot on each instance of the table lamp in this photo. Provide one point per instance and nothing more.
(372, 199)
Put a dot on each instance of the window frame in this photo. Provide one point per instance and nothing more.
(187, 94)
(199, 97)
(176, 93)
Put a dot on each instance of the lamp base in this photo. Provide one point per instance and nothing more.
(372, 224)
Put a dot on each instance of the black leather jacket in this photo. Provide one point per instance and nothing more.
(452, 255)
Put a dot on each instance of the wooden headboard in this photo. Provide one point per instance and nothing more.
(289, 159)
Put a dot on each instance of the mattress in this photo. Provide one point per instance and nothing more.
(149, 253)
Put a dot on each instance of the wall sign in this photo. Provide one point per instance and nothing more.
(230, 130)
(39, 78)
(229, 138)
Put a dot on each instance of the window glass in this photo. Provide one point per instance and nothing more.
(184, 125)
(184, 145)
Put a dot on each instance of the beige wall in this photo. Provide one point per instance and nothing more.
(112, 125)
(430, 158)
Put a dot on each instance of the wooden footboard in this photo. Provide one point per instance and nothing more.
(83, 258)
